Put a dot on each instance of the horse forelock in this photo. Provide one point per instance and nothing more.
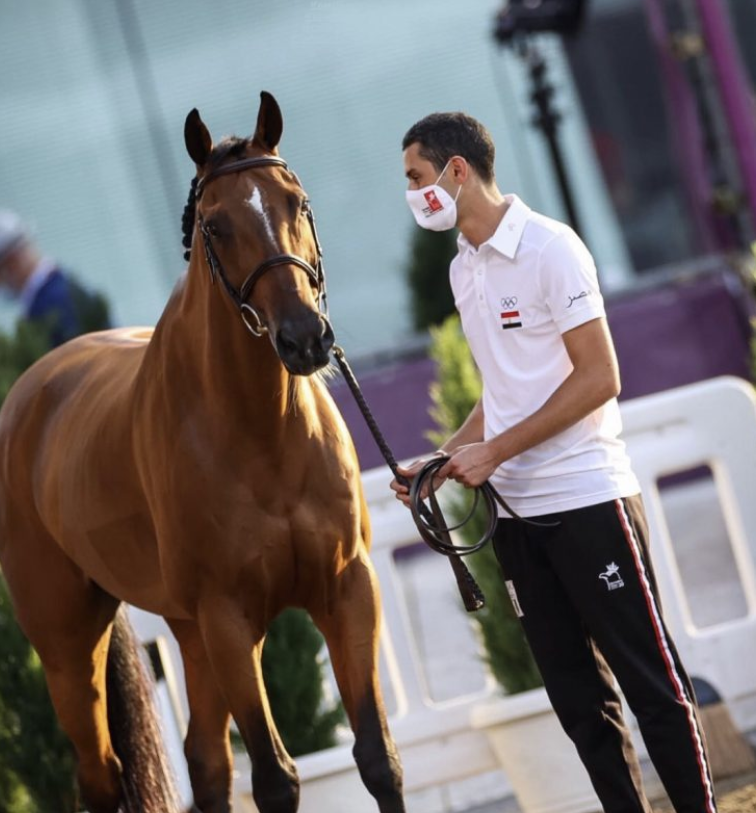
(227, 147)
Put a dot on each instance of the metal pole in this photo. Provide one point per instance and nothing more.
(547, 120)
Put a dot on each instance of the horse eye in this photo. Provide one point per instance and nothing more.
(212, 230)
(304, 206)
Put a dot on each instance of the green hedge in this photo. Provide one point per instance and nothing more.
(294, 671)
(36, 760)
(431, 299)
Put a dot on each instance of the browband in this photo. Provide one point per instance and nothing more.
(238, 166)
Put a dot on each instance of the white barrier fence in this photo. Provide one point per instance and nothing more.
(704, 547)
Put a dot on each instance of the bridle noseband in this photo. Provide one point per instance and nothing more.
(240, 296)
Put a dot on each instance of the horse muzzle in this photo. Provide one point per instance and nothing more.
(304, 345)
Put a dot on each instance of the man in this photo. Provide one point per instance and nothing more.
(48, 296)
(545, 433)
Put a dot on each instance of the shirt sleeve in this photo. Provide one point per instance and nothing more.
(569, 282)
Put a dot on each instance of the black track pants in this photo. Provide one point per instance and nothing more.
(587, 597)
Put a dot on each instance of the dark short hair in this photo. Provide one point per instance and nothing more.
(443, 135)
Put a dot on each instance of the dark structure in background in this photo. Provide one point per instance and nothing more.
(542, 16)
(513, 26)
(666, 98)
(671, 114)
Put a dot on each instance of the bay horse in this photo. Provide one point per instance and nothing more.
(203, 473)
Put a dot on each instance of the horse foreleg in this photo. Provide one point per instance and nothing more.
(207, 747)
(234, 649)
(351, 631)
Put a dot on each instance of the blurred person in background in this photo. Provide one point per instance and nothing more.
(49, 296)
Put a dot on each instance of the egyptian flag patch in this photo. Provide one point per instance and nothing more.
(510, 319)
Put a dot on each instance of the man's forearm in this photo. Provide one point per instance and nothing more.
(578, 396)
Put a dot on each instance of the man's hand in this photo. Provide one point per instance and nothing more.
(402, 491)
(471, 465)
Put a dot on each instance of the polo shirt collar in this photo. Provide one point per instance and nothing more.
(506, 238)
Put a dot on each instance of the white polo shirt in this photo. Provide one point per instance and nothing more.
(529, 283)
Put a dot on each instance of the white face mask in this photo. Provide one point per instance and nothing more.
(432, 206)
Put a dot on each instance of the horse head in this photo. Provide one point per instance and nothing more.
(254, 221)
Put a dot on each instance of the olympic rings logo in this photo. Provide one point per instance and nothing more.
(508, 301)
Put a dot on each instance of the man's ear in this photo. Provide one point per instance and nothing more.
(460, 169)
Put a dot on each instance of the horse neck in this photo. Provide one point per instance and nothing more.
(202, 344)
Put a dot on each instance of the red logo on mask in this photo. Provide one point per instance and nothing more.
(434, 204)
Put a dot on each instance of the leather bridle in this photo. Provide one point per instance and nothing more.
(241, 295)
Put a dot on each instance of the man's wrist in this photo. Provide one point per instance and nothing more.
(499, 448)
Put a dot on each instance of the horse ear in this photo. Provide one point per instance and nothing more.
(199, 142)
(269, 123)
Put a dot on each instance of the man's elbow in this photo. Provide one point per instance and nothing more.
(612, 385)
(607, 386)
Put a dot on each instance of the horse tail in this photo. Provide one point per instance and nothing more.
(148, 783)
